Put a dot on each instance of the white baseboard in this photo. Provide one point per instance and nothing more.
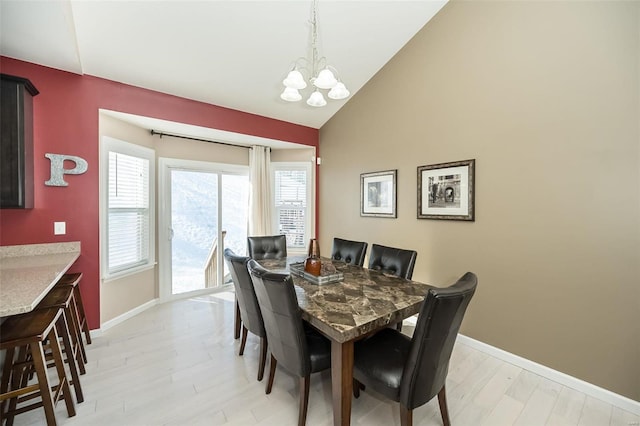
(602, 394)
(121, 318)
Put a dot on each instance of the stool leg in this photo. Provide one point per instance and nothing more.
(76, 335)
(19, 378)
(70, 353)
(84, 324)
(6, 374)
(43, 381)
(10, 374)
(62, 376)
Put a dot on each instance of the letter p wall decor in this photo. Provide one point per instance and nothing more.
(58, 171)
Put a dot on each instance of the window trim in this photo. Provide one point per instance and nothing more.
(310, 209)
(109, 144)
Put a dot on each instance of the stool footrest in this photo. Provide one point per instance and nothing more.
(19, 392)
(26, 408)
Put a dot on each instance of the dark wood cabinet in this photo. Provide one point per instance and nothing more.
(16, 143)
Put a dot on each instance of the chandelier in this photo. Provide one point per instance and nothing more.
(321, 75)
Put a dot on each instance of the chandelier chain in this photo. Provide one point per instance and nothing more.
(314, 38)
(321, 73)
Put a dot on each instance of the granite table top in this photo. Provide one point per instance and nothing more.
(363, 301)
(28, 272)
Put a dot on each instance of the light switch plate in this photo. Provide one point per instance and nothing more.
(59, 228)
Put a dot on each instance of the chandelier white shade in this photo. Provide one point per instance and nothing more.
(320, 74)
(294, 80)
(316, 99)
(339, 91)
(325, 79)
(290, 94)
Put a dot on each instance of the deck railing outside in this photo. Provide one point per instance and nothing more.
(211, 265)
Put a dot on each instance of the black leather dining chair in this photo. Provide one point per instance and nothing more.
(394, 261)
(414, 370)
(295, 345)
(250, 314)
(391, 260)
(267, 247)
(347, 251)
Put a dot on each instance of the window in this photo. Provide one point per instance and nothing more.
(292, 195)
(128, 177)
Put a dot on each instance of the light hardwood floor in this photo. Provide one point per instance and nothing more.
(177, 364)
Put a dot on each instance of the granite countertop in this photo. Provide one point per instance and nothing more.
(28, 272)
(363, 301)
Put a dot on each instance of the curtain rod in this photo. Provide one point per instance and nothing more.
(161, 134)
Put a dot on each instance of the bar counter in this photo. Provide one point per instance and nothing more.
(28, 272)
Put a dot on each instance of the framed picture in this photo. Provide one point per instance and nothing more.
(446, 191)
(378, 194)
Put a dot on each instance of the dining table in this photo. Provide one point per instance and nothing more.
(357, 305)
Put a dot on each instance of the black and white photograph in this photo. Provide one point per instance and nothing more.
(378, 194)
(446, 191)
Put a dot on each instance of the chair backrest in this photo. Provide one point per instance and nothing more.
(427, 365)
(392, 260)
(246, 295)
(349, 251)
(269, 247)
(282, 319)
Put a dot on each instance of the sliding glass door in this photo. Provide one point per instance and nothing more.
(204, 210)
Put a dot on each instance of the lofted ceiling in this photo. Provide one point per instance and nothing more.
(229, 53)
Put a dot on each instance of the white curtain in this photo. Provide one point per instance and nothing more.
(260, 200)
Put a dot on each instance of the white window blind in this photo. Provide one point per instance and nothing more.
(291, 205)
(128, 195)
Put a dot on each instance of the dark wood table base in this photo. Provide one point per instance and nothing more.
(341, 381)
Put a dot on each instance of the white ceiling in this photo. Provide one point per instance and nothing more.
(229, 53)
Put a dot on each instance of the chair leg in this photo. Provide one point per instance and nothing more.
(406, 416)
(357, 387)
(263, 357)
(399, 326)
(304, 399)
(444, 411)
(237, 322)
(244, 340)
(272, 373)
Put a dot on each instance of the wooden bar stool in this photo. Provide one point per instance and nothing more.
(64, 297)
(68, 330)
(73, 280)
(28, 334)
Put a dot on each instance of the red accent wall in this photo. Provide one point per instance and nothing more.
(66, 122)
